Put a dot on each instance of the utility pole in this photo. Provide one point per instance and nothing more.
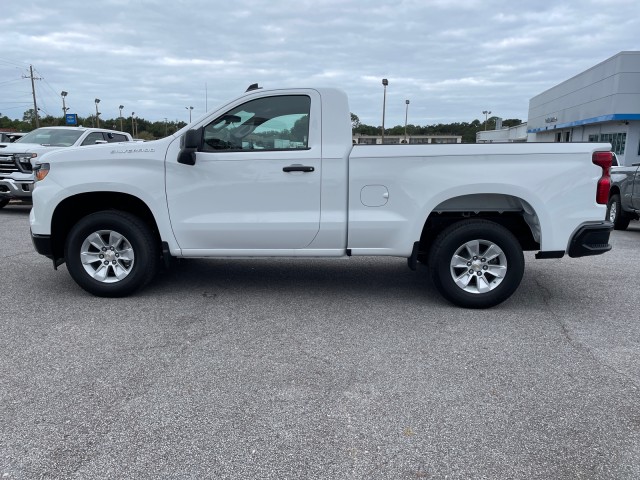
(33, 91)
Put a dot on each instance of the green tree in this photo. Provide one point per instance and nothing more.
(511, 122)
(355, 121)
(300, 129)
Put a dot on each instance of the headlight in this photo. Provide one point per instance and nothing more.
(25, 159)
(40, 171)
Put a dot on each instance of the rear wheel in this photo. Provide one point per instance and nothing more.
(476, 263)
(615, 214)
(111, 253)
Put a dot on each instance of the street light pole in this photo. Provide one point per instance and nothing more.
(385, 82)
(189, 108)
(133, 124)
(166, 127)
(406, 115)
(97, 100)
(486, 118)
(120, 108)
(63, 94)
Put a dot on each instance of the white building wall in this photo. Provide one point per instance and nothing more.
(603, 100)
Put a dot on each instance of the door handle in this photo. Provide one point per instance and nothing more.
(298, 168)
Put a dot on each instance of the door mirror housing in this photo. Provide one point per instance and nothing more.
(191, 141)
(192, 138)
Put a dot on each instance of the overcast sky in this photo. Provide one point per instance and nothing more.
(452, 60)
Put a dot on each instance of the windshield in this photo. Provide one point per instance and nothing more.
(55, 137)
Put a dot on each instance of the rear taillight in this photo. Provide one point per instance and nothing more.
(603, 160)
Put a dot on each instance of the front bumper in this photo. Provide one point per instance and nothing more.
(16, 189)
(590, 239)
(43, 245)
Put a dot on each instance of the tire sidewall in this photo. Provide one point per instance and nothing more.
(457, 235)
(614, 200)
(622, 220)
(124, 225)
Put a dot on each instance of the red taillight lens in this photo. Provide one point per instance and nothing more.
(603, 160)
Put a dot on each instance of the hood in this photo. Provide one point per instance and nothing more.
(109, 151)
(11, 148)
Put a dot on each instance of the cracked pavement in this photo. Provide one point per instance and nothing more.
(286, 369)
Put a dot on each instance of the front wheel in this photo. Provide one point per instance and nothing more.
(615, 214)
(476, 263)
(111, 253)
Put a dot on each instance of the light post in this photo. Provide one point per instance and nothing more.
(189, 108)
(97, 100)
(385, 82)
(133, 124)
(166, 127)
(406, 115)
(63, 94)
(120, 108)
(486, 118)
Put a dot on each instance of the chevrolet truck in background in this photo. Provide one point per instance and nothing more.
(16, 175)
(624, 196)
(274, 173)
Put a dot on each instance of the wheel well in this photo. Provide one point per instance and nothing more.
(513, 213)
(72, 209)
(614, 190)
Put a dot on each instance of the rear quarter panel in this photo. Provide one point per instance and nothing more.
(557, 180)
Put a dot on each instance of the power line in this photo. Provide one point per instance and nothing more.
(12, 63)
(10, 81)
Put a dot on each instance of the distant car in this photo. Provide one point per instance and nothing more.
(16, 175)
(9, 137)
(614, 160)
(624, 196)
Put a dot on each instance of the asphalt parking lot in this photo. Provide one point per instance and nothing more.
(309, 369)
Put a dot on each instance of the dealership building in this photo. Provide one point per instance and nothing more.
(601, 104)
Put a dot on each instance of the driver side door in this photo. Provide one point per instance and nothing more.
(255, 184)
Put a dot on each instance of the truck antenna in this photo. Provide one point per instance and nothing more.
(253, 86)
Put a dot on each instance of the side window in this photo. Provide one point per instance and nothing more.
(270, 123)
(92, 137)
(116, 137)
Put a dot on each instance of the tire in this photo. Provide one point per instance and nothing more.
(615, 214)
(116, 237)
(476, 263)
(4, 202)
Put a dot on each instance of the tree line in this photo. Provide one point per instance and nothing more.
(467, 130)
(148, 130)
(144, 129)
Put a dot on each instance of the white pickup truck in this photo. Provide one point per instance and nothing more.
(16, 175)
(274, 173)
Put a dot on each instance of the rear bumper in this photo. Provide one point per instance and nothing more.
(590, 239)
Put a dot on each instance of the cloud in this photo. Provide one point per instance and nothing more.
(452, 60)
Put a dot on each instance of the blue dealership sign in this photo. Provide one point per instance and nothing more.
(71, 118)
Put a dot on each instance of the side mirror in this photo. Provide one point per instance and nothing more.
(192, 138)
(190, 143)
